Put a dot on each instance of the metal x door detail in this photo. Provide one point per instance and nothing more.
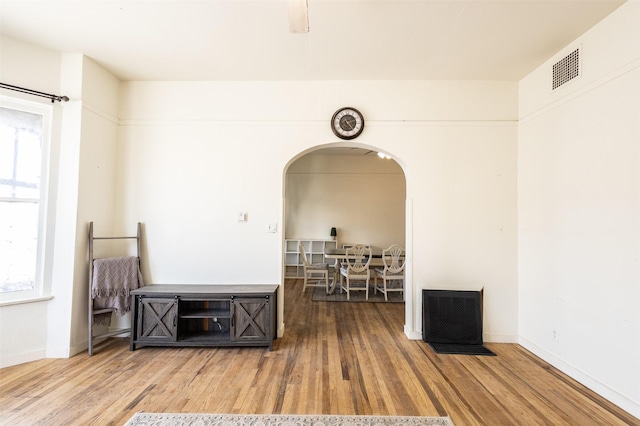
(249, 315)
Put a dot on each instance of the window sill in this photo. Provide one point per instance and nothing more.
(26, 300)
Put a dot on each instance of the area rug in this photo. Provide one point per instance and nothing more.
(190, 419)
(319, 295)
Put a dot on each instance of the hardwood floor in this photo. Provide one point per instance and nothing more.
(335, 358)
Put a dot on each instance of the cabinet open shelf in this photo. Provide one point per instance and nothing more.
(206, 313)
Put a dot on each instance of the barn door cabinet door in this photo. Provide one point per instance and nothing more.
(251, 319)
(157, 319)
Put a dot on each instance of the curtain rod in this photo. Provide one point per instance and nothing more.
(34, 92)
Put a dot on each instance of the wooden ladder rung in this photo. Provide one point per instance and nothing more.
(103, 311)
(113, 333)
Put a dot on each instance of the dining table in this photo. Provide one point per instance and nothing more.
(340, 255)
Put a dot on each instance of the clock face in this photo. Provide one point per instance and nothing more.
(347, 123)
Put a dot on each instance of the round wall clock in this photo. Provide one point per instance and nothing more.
(347, 123)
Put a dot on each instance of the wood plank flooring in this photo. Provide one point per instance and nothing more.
(335, 358)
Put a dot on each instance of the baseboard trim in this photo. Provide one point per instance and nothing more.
(22, 358)
(500, 338)
(601, 389)
(412, 334)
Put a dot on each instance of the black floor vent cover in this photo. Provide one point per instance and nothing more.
(456, 349)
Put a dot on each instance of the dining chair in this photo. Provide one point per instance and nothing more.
(356, 268)
(393, 272)
(346, 246)
(314, 273)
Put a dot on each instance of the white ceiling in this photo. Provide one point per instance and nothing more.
(348, 39)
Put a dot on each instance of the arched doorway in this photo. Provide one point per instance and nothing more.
(350, 188)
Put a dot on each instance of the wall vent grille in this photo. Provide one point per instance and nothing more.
(566, 69)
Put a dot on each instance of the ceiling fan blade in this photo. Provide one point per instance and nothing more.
(298, 16)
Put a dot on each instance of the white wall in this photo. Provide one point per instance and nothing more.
(86, 193)
(578, 204)
(96, 189)
(362, 196)
(193, 154)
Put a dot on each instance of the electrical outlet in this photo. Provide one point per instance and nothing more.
(556, 336)
(272, 228)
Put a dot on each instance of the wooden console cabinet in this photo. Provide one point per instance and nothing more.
(203, 315)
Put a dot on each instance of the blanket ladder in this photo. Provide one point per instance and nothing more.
(92, 312)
